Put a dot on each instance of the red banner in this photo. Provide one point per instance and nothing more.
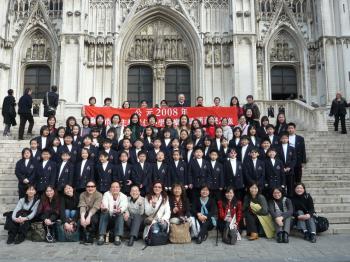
(200, 113)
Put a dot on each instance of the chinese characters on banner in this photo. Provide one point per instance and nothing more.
(200, 113)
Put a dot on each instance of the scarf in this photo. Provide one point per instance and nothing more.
(204, 210)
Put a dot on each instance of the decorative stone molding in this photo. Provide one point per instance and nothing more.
(39, 49)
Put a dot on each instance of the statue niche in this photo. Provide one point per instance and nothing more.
(38, 49)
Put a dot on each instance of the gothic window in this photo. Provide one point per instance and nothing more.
(283, 83)
(177, 81)
(140, 85)
(38, 78)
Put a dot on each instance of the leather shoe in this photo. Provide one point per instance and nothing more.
(313, 238)
(285, 237)
(117, 241)
(199, 240)
(131, 241)
(253, 236)
(280, 237)
(205, 237)
(101, 240)
(10, 239)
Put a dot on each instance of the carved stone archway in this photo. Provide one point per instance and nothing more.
(158, 37)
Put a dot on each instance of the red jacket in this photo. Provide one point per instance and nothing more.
(222, 210)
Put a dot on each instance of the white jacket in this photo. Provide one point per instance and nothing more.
(109, 202)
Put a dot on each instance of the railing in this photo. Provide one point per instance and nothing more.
(304, 116)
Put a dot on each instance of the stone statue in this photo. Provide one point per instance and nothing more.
(173, 49)
(208, 55)
(167, 48)
(137, 49)
(99, 56)
(279, 52)
(91, 53)
(109, 52)
(217, 54)
(131, 54)
(29, 53)
(286, 51)
(159, 52)
(180, 49)
(48, 55)
(35, 52)
(159, 71)
(144, 49)
(41, 52)
(150, 48)
(226, 54)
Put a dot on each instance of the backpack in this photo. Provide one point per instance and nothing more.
(229, 236)
(156, 238)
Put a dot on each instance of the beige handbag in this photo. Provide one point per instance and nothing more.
(180, 234)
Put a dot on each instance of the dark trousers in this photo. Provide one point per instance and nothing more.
(252, 222)
(23, 120)
(206, 226)
(342, 122)
(298, 173)
(20, 229)
(115, 221)
(290, 181)
(92, 228)
(216, 194)
(7, 129)
(134, 223)
(240, 193)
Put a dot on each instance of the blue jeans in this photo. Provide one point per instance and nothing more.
(116, 220)
(70, 213)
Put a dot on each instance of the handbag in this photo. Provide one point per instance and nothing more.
(49, 109)
(230, 236)
(37, 232)
(180, 233)
(64, 236)
(156, 238)
(322, 224)
(148, 220)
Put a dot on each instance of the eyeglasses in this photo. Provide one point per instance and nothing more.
(90, 186)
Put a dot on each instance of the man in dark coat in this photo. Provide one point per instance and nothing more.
(9, 112)
(253, 106)
(181, 101)
(338, 110)
(25, 112)
(51, 102)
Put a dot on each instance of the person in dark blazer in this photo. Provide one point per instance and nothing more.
(189, 152)
(198, 139)
(236, 140)
(133, 152)
(181, 101)
(44, 140)
(51, 102)
(9, 112)
(298, 143)
(271, 135)
(274, 173)
(178, 170)
(25, 171)
(254, 170)
(216, 178)
(69, 147)
(254, 139)
(261, 131)
(65, 172)
(124, 173)
(281, 124)
(234, 174)
(166, 142)
(160, 171)
(286, 153)
(45, 174)
(198, 172)
(224, 150)
(204, 209)
(93, 150)
(265, 145)
(105, 173)
(84, 171)
(152, 153)
(36, 153)
(25, 104)
(338, 110)
(244, 150)
(113, 155)
(142, 173)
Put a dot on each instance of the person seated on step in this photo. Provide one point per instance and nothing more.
(23, 214)
(281, 210)
(114, 204)
(89, 205)
(255, 210)
(204, 209)
(49, 212)
(133, 215)
(304, 211)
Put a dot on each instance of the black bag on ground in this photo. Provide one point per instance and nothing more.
(322, 224)
(229, 236)
(156, 239)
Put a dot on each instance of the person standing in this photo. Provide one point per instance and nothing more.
(338, 110)
(9, 112)
(51, 102)
(181, 101)
(253, 106)
(25, 112)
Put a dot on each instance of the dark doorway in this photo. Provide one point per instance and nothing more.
(140, 85)
(38, 78)
(177, 81)
(284, 83)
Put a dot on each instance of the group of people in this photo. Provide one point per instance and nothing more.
(99, 180)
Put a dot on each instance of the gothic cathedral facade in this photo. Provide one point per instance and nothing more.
(155, 49)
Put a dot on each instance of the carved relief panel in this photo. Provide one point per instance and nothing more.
(218, 50)
(99, 52)
(38, 49)
(283, 48)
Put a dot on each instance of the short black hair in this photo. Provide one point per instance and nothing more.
(10, 92)
(292, 124)
(270, 126)
(107, 99)
(250, 96)
(142, 152)
(54, 88)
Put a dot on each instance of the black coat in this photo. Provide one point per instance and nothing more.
(50, 100)
(303, 203)
(40, 142)
(45, 176)
(142, 176)
(274, 174)
(104, 178)
(216, 179)
(9, 111)
(211, 207)
(66, 177)
(88, 174)
(162, 174)
(291, 158)
(25, 172)
(338, 108)
(198, 175)
(123, 178)
(73, 152)
(179, 173)
(256, 174)
(300, 150)
(234, 180)
(25, 105)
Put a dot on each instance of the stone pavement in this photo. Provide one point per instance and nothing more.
(328, 248)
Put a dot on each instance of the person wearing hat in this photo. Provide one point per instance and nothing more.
(254, 169)
(286, 154)
(216, 179)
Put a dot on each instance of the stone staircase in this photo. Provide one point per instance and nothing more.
(326, 175)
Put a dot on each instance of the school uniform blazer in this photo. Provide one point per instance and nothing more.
(291, 158)
(152, 156)
(66, 177)
(94, 153)
(25, 172)
(179, 173)
(141, 176)
(78, 142)
(206, 154)
(257, 142)
(214, 145)
(261, 132)
(300, 150)
(234, 180)
(198, 175)
(247, 153)
(162, 174)
(164, 147)
(40, 142)
(37, 155)
(133, 156)
(233, 144)
(275, 141)
(256, 174)
(88, 174)
(185, 158)
(216, 178)
(54, 154)
(200, 142)
(113, 156)
(274, 174)
(104, 178)
(45, 176)
(147, 145)
(262, 155)
(73, 152)
(223, 154)
(280, 129)
(182, 153)
(123, 177)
